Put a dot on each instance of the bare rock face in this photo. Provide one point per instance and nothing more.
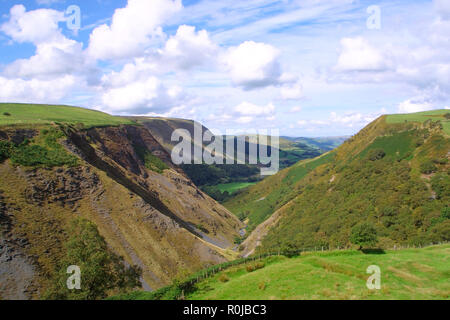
(17, 271)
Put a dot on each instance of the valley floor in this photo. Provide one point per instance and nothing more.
(405, 274)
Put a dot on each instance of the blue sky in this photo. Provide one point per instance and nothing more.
(307, 68)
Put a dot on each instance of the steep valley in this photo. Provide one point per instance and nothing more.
(118, 177)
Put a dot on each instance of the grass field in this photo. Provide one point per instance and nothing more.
(421, 117)
(233, 186)
(405, 274)
(31, 114)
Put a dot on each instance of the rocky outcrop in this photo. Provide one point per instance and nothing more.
(17, 270)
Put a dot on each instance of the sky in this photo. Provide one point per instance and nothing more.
(304, 67)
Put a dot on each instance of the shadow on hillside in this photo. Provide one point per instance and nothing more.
(373, 251)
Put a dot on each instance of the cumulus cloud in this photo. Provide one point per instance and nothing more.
(253, 65)
(132, 29)
(188, 48)
(358, 55)
(34, 26)
(51, 59)
(55, 69)
(36, 91)
(141, 97)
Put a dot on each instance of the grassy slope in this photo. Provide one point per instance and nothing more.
(261, 200)
(405, 274)
(396, 138)
(27, 114)
(392, 194)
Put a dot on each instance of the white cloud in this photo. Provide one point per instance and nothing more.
(292, 92)
(37, 91)
(253, 65)
(55, 54)
(34, 26)
(250, 109)
(414, 105)
(188, 48)
(443, 8)
(56, 58)
(141, 97)
(132, 29)
(358, 55)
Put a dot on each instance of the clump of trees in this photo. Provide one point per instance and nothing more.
(364, 235)
(102, 271)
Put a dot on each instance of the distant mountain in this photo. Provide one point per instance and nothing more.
(323, 143)
(394, 174)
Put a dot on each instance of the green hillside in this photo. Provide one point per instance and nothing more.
(405, 274)
(393, 175)
(258, 202)
(27, 114)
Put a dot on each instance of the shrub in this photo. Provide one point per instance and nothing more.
(445, 213)
(376, 154)
(441, 161)
(363, 234)
(224, 278)
(447, 116)
(427, 167)
(262, 286)
(7, 114)
(6, 150)
(254, 266)
(102, 270)
(151, 161)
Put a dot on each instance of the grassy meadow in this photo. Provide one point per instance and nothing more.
(405, 274)
(26, 114)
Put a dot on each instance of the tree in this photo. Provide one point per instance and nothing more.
(363, 235)
(101, 269)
